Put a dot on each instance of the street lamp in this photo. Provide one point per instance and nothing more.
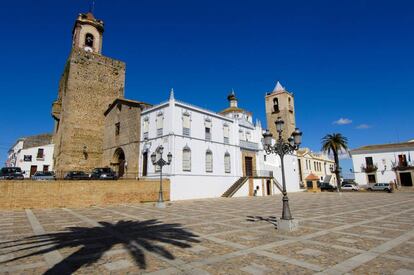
(282, 148)
(160, 162)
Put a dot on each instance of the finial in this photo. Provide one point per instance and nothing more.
(172, 94)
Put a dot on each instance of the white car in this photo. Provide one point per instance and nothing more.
(350, 187)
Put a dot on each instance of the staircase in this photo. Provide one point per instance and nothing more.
(236, 186)
(277, 184)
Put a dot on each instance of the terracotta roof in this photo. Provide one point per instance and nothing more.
(402, 145)
(128, 102)
(312, 176)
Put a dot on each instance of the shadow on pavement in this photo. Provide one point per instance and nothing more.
(136, 237)
(271, 219)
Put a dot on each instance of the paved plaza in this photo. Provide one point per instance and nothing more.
(349, 233)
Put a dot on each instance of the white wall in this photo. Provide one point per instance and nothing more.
(384, 162)
(39, 163)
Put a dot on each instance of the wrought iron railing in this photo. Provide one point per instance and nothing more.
(368, 168)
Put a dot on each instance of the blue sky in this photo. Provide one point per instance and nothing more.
(342, 59)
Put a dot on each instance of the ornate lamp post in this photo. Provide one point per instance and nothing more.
(282, 148)
(160, 162)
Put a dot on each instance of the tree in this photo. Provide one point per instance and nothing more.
(335, 143)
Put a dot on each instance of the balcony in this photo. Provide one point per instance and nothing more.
(369, 168)
(249, 145)
(186, 132)
(402, 166)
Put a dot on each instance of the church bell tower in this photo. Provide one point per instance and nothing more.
(89, 84)
(280, 104)
(87, 33)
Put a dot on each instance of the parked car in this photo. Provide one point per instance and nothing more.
(11, 173)
(327, 187)
(350, 187)
(105, 173)
(39, 175)
(380, 187)
(76, 175)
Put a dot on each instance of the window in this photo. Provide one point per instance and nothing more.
(209, 161)
(241, 135)
(248, 136)
(146, 127)
(402, 160)
(40, 153)
(186, 159)
(27, 158)
(227, 164)
(117, 128)
(226, 133)
(89, 40)
(45, 168)
(275, 105)
(207, 124)
(368, 161)
(160, 124)
(186, 124)
(264, 156)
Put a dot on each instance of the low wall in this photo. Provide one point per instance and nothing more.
(53, 194)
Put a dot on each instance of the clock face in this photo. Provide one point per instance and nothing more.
(88, 49)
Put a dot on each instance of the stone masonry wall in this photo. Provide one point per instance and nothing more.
(53, 194)
(92, 82)
(129, 118)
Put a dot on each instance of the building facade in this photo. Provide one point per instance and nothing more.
(32, 154)
(89, 84)
(211, 151)
(384, 163)
(314, 164)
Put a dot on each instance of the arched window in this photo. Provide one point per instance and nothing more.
(227, 164)
(275, 105)
(186, 159)
(209, 161)
(89, 40)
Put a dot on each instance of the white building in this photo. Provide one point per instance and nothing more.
(31, 154)
(212, 152)
(384, 163)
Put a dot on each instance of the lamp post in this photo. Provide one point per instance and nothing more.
(160, 162)
(282, 148)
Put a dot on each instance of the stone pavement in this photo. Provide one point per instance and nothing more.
(349, 233)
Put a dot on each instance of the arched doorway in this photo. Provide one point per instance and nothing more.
(118, 161)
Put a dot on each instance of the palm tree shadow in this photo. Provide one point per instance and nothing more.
(136, 237)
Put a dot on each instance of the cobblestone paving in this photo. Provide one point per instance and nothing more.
(349, 233)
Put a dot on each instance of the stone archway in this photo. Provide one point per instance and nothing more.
(118, 160)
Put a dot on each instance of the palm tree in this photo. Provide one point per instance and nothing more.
(335, 143)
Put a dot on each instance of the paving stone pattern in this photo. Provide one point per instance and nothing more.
(349, 233)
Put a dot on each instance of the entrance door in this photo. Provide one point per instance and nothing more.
(269, 187)
(33, 170)
(248, 163)
(406, 179)
(121, 169)
(145, 164)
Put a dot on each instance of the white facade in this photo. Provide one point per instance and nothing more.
(32, 159)
(317, 164)
(384, 164)
(181, 129)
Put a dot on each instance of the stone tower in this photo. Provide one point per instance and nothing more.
(280, 103)
(89, 84)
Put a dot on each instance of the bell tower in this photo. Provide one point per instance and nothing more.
(87, 33)
(89, 84)
(280, 103)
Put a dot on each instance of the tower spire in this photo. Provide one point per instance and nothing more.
(92, 6)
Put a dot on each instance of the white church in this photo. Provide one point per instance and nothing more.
(213, 154)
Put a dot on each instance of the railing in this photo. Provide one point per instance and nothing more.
(263, 173)
(249, 145)
(159, 132)
(402, 165)
(208, 136)
(226, 140)
(369, 168)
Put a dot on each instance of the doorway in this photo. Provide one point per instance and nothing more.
(248, 166)
(119, 162)
(33, 170)
(406, 179)
(145, 164)
(269, 187)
